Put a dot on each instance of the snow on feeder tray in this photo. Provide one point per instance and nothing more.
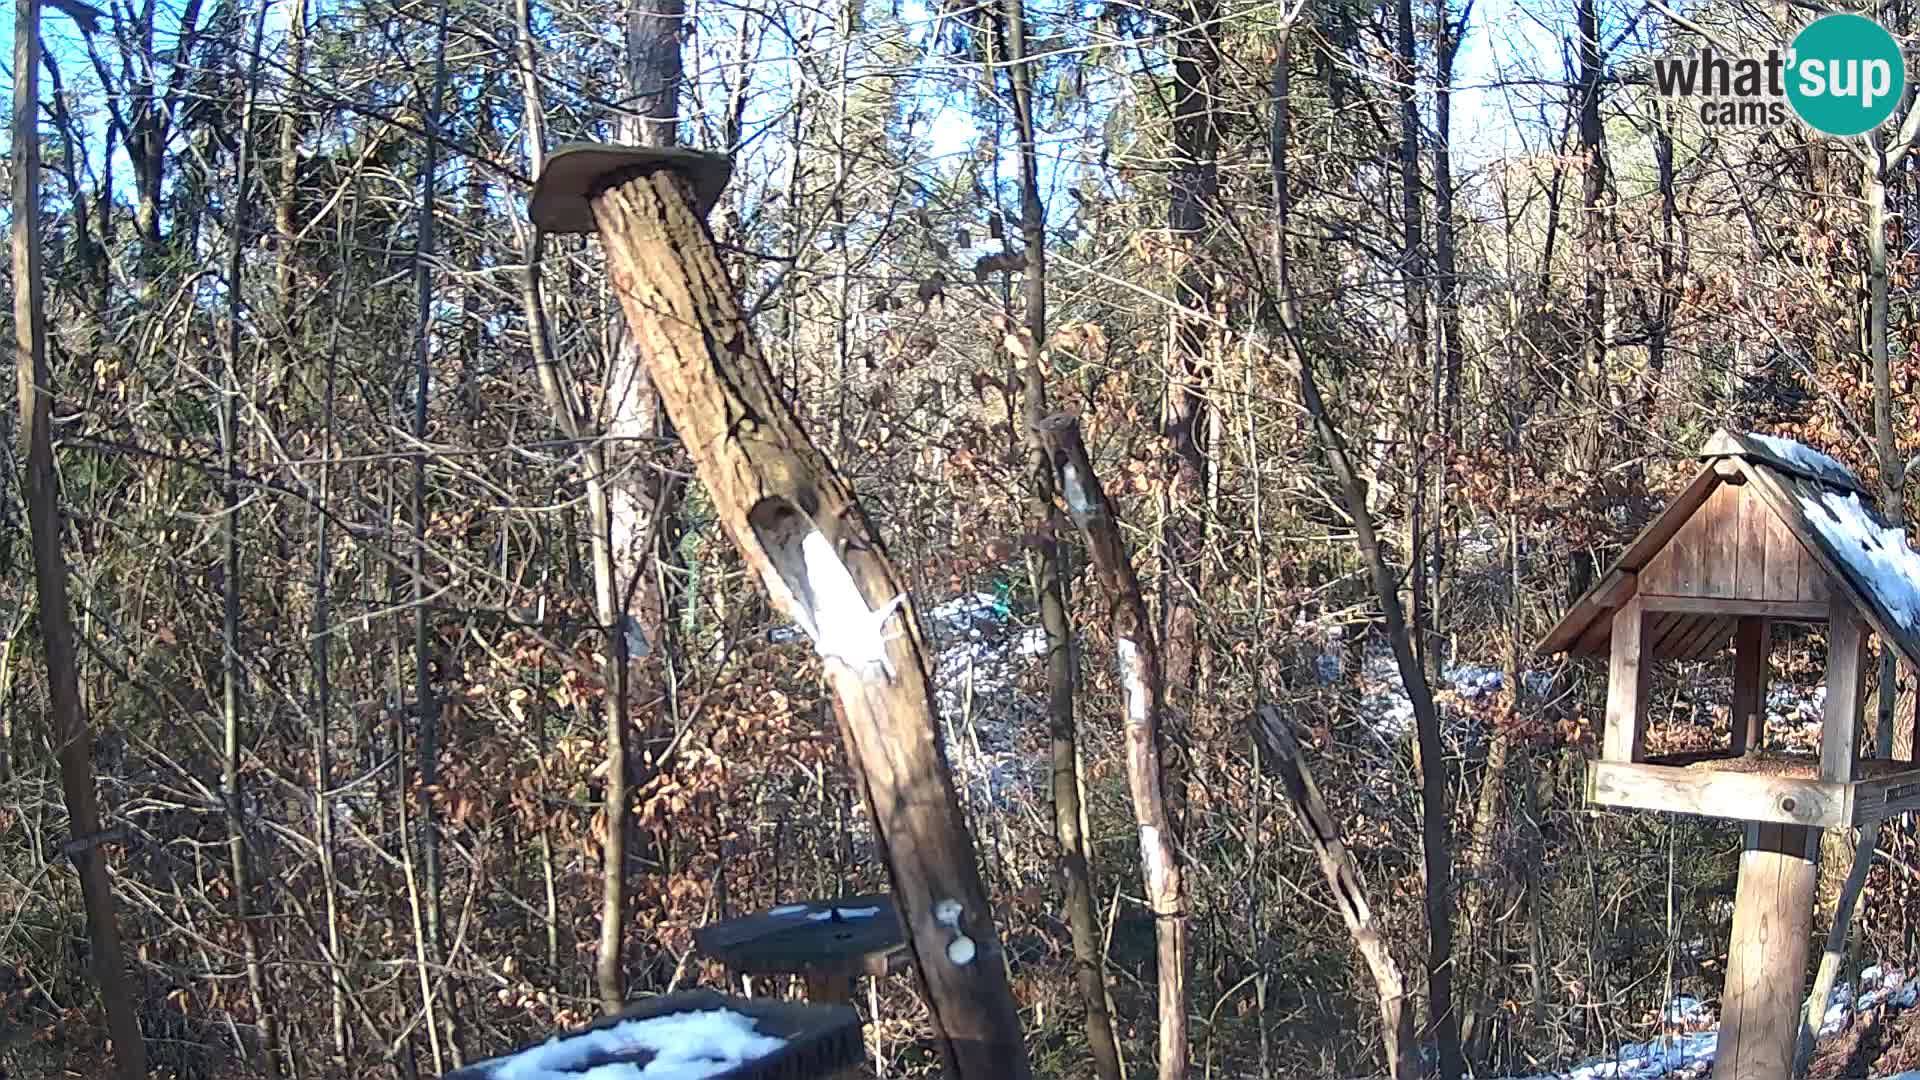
(1767, 531)
(692, 1035)
(827, 942)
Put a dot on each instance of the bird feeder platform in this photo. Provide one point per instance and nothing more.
(827, 942)
(1767, 531)
(760, 1039)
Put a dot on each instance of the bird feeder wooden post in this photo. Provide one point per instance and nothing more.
(802, 532)
(1767, 531)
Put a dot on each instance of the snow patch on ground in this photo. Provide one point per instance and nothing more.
(679, 1046)
(1688, 1054)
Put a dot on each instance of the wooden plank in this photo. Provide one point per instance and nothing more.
(1784, 610)
(1662, 631)
(1750, 648)
(1846, 683)
(1593, 641)
(1886, 797)
(1720, 543)
(1627, 676)
(1614, 591)
(1784, 552)
(1767, 958)
(1751, 561)
(1708, 636)
(1739, 796)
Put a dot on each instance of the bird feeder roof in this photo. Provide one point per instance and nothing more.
(1799, 532)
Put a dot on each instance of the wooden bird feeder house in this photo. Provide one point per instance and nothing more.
(1767, 531)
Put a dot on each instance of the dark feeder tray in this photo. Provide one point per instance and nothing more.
(821, 1040)
(859, 935)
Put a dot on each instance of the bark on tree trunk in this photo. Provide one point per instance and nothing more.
(1443, 1023)
(1046, 563)
(800, 529)
(1323, 834)
(238, 862)
(68, 730)
(1195, 185)
(1138, 657)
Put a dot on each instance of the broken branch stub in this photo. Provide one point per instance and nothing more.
(799, 528)
(1137, 654)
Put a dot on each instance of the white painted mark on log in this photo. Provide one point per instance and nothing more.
(1130, 678)
(1152, 859)
(836, 616)
(1074, 490)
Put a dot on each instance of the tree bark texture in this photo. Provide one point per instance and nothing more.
(800, 529)
(1138, 659)
(1443, 1024)
(1324, 835)
(1194, 188)
(69, 734)
(1047, 563)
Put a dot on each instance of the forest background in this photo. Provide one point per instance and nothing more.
(342, 448)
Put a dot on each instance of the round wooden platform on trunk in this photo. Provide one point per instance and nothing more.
(826, 942)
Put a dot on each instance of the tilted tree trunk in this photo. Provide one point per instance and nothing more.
(1138, 663)
(1047, 566)
(801, 531)
(67, 729)
(1324, 835)
(1443, 1023)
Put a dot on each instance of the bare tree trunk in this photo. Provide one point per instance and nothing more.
(1138, 661)
(239, 864)
(425, 699)
(641, 509)
(1447, 294)
(1443, 1023)
(292, 120)
(67, 730)
(1413, 284)
(1046, 564)
(1194, 188)
(323, 706)
(1892, 469)
(1349, 890)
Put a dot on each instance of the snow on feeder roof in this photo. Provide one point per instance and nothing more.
(1767, 527)
(695, 1035)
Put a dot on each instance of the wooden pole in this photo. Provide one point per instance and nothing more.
(801, 531)
(1750, 684)
(1767, 959)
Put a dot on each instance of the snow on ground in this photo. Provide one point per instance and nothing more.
(1689, 1053)
(678, 1046)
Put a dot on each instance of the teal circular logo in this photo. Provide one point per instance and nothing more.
(1845, 74)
